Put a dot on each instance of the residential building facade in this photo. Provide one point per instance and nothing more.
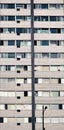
(31, 64)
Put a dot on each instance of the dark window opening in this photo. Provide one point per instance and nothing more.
(11, 6)
(6, 107)
(25, 93)
(18, 44)
(58, 43)
(11, 18)
(60, 106)
(25, 80)
(25, 6)
(59, 81)
(1, 119)
(45, 43)
(36, 93)
(1, 43)
(44, 6)
(25, 68)
(29, 119)
(36, 80)
(1, 30)
(11, 43)
(35, 42)
(59, 30)
(52, 18)
(11, 55)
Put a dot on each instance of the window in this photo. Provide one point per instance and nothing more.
(6, 106)
(45, 94)
(45, 80)
(1, 119)
(62, 81)
(19, 68)
(11, 68)
(40, 6)
(3, 18)
(44, 18)
(11, 80)
(62, 93)
(36, 80)
(11, 55)
(52, 6)
(5, 120)
(39, 80)
(54, 107)
(55, 30)
(40, 18)
(45, 55)
(62, 30)
(24, 6)
(7, 94)
(55, 43)
(47, 120)
(22, 30)
(60, 106)
(7, 30)
(1, 43)
(53, 68)
(42, 43)
(1, 30)
(28, 81)
(45, 43)
(7, 18)
(2, 107)
(29, 119)
(29, 68)
(8, 6)
(39, 107)
(39, 94)
(41, 30)
(19, 80)
(11, 18)
(23, 43)
(25, 120)
(61, 18)
(2, 68)
(53, 18)
(11, 6)
(61, 6)
(55, 55)
(39, 120)
(44, 6)
(11, 43)
(54, 94)
(25, 93)
(45, 68)
(11, 30)
(29, 93)
(23, 18)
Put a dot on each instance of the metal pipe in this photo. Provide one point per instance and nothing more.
(43, 110)
(32, 63)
